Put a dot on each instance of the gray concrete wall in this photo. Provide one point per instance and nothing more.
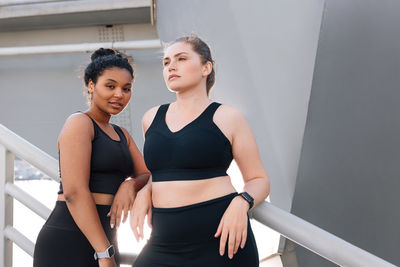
(38, 92)
(265, 52)
(348, 179)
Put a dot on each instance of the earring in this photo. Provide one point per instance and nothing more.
(89, 95)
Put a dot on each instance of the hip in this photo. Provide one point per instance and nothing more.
(99, 198)
(61, 218)
(195, 223)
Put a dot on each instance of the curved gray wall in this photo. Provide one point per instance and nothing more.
(265, 53)
(348, 181)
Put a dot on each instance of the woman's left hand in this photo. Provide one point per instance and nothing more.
(233, 227)
(122, 202)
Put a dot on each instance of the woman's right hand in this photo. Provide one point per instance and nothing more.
(140, 209)
(107, 262)
(123, 202)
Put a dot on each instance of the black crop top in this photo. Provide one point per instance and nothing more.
(198, 151)
(111, 162)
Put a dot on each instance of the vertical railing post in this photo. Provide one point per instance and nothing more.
(6, 205)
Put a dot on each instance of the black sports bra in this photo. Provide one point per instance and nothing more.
(198, 151)
(111, 162)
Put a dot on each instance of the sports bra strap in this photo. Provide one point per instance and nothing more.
(160, 115)
(95, 126)
(116, 128)
(210, 110)
(120, 133)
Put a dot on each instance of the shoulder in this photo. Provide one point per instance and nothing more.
(78, 121)
(151, 113)
(229, 120)
(77, 125)
(229, 113)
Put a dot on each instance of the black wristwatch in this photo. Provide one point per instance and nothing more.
(248, 198)
(108, 253)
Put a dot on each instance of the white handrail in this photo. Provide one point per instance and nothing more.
(298, 230)
(28, 246)
(29, 201)
(78, 48)
(22, 241)
(30, 153)
(315, 239)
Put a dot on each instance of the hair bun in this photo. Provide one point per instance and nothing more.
(101, 52)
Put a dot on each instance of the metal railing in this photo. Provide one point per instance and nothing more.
(292, 227)
(315, 239)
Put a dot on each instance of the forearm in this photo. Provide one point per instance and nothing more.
(143, 179)
(147, 189)
(148, 184)
(139, 181)
(258, 188)
(83, 210)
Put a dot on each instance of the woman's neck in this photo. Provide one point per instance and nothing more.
(190, 99)
(98, 115)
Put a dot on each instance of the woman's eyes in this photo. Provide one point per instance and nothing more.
(126, 89)
(166, 63)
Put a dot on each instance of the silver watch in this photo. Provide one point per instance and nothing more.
(108, 253)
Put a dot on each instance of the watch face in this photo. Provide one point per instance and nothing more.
(111, 251)
(247, 196)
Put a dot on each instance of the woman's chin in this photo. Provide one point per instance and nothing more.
(115, 112)
(177, 90)
(173, 90)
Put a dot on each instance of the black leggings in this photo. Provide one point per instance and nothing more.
(61, 243)
(184, 237)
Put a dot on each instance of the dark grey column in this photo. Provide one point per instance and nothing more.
(348, 181)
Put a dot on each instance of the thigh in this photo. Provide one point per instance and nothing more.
(61, 243)
(197, 255)
(208, 255)
(194, 226)
(155, 256)
(62, 248)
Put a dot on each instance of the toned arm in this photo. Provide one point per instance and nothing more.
(75, 144)
(245, 151)
(143, 203)
(233, 226)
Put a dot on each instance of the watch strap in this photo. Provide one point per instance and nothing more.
(248, 198)
(108, 253)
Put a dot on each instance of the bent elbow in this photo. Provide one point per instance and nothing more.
(267, 187)
(71, 194)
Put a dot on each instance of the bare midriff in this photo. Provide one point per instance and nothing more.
(99, 198)
(173, 194)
